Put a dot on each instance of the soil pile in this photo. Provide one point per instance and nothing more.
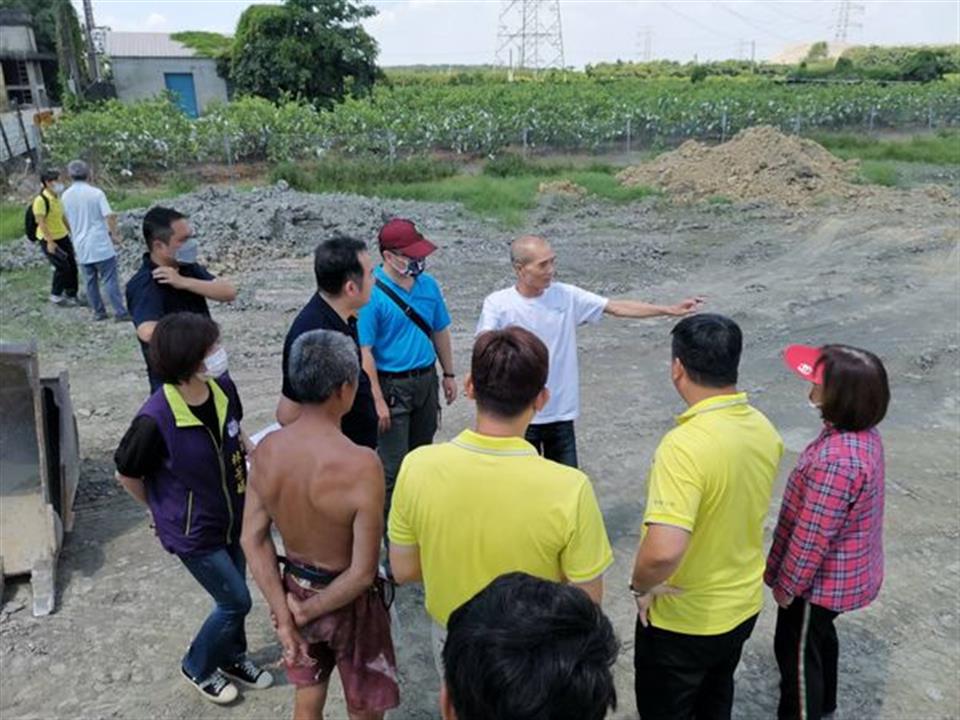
(759, 163)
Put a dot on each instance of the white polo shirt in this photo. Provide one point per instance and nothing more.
(86, 208)
(553, 317)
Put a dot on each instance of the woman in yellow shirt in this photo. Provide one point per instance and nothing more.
(53, 234)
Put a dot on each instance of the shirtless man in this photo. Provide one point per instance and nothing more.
(325, 495)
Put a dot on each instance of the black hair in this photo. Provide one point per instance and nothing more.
(856, 392)
(530, 649)
(335, 261)
(508, 369)
(158, 225)
(709, 347)
(48, 174)
(179, 344)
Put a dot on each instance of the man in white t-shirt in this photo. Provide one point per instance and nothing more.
(93, 224)
(552, 311)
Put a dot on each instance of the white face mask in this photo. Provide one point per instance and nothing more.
(58, 188)
(215, 364)
(812, 404)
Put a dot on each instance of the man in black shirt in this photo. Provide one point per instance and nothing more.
(163, 285)
(344, 273)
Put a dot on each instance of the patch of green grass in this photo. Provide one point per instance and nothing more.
(121, 200)
(879, 172)
(11, 222)
(943, 148)
(605, 185)
(719, 200)
(506, 199)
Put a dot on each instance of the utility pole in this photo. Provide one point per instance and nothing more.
(534, 30)
(742, 46)
(645, 35)
(91, 50)
(845, 10)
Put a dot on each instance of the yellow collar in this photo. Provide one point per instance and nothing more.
(183, 416)
(717, 402)
(489, 445)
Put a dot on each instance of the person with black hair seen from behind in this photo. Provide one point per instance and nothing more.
(344, 273)
(528, 649)
(163, 285)
(486, 503)
(184, 457)
(827, 552)
(697, 575)
(53, 234)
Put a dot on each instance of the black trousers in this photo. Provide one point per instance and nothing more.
(556, 441)
(687, 677)
(805, 643)
(64, 261)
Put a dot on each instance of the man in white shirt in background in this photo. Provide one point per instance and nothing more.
(552, 311)
(94, 231)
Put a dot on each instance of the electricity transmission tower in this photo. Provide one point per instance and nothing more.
(530, 35)
(646, 36)
(845, 10)
(91, 50)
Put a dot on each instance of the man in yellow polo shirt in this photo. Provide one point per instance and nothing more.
(485, 504)
(53, 234)
(697, 576)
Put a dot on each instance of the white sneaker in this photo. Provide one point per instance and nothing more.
(58, 299)
(247, 673)
(216, 688)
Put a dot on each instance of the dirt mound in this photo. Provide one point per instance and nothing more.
(567, 188)
(759, 163)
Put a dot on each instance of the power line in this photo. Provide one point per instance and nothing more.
(845, 9)
(753, 24)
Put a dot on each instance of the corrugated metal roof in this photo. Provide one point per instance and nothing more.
(144, 44)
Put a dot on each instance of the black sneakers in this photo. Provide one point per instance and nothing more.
(216, 688)
(247, 673)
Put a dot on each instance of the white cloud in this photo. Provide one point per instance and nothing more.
(156, 21)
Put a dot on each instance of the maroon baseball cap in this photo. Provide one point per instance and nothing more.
(802, 359)
(402, 236)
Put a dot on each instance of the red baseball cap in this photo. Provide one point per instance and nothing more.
(402, 235)
(802, 359)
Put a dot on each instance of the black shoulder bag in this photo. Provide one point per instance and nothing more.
(414, 316)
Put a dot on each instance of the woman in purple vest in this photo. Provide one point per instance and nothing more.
(184, 458)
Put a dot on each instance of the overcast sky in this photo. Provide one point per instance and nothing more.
(465, 31)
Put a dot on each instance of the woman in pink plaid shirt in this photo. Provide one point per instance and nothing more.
(827, 553)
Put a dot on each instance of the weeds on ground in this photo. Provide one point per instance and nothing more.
(11, 221)
(879, 172)
(942, 148)
(359, 175)
(719, 200)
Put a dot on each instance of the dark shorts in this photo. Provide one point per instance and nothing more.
(356, 640)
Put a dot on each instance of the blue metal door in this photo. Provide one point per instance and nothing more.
(181, 85)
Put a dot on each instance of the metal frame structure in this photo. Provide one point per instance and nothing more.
(530, 35)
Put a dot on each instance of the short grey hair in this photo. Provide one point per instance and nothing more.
(78, 170)
(320, 362)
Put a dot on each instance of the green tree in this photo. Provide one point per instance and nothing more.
(817, 51)
(925, 65)
(314, 49)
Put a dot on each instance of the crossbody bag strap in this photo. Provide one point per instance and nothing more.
(414, 316)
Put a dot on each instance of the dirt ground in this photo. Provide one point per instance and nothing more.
(882, 274)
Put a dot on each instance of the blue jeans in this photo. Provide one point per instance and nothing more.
(107, 272)
(555, 441)
(222, 639)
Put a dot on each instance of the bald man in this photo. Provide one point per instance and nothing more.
(552, 311)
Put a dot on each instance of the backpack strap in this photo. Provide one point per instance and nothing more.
(414, 316)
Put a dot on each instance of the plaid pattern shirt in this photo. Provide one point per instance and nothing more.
(828, 546)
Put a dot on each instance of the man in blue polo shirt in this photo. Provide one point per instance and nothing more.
(404, 330)
(163, 285)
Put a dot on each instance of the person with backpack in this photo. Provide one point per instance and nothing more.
(46, 223)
